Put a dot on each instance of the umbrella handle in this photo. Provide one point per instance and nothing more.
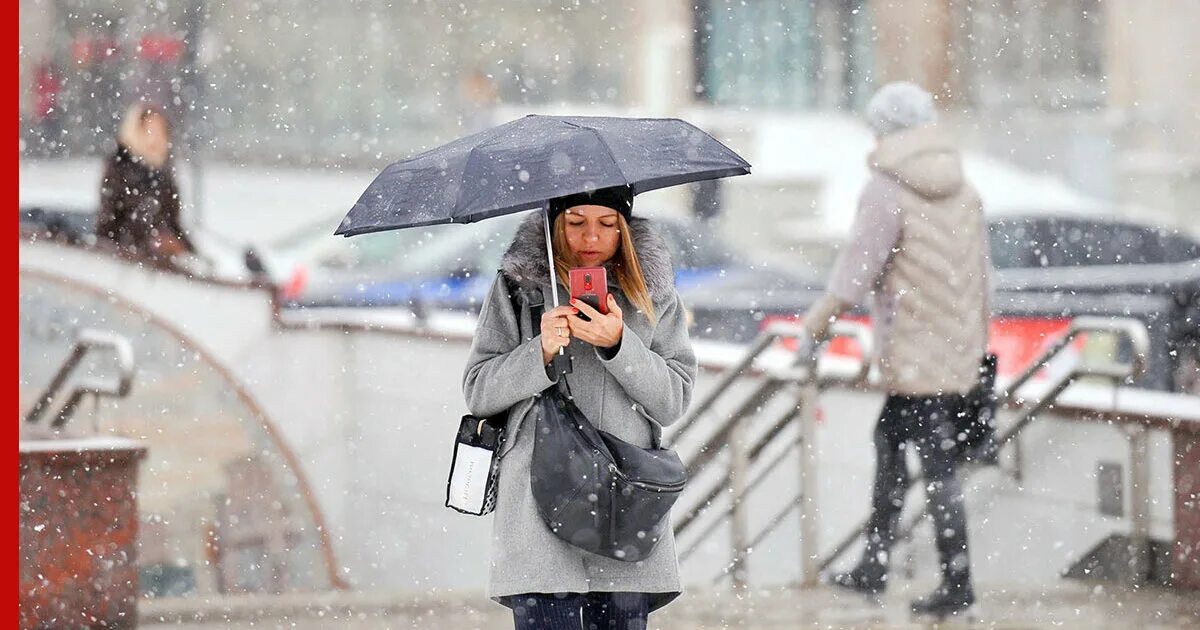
(561, 362)
(550, 254)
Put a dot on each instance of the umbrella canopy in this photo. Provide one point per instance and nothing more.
(521, 164)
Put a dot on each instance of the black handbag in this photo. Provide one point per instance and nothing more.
(594, 490)
(976, 421)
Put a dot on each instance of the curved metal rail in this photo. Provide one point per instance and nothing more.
(86, 341)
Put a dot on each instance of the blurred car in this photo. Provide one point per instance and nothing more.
(1042, 242)
(1054, 268)
(435, 266)
(57, 223)
(453, 266)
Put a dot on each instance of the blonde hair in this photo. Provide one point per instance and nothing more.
(625, 264)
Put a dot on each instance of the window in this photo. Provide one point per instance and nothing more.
(1177, 248)
(770, 54)
(1089, 243)
(1016, 244)
(1031, 53)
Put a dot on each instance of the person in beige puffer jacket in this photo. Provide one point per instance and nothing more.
(919, 250)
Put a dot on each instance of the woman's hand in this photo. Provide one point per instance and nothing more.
(603, 331)
(556, 331)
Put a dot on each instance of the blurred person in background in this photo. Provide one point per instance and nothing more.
(479, 99)
(919, 248)
(139, 199)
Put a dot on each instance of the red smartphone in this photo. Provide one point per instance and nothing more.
(590, 285)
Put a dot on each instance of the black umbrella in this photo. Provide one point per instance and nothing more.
(522, 164)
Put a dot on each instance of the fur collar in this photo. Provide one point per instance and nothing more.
(525, 260)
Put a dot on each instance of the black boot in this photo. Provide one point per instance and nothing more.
(870, 576)
(950, 522)
(865, 579)
(950, 598)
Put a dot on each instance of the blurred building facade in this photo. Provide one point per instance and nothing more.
(1078, 88)
(1100, 92)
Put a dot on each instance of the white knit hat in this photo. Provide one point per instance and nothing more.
(898, 106)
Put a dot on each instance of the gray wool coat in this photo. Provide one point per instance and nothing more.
(648, 380)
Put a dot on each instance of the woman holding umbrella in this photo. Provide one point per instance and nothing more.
(632, 368)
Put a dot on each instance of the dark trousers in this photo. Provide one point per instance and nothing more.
(580, 611)
(925, 424)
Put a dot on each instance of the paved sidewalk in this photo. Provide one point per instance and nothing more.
(1067, 605)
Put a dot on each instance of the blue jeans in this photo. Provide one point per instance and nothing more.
(580, 611)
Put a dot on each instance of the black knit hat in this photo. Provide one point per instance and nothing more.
(619, 198)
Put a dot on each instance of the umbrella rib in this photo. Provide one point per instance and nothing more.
(467, 163)
(607, 148)
(466, 168)
(461, 188)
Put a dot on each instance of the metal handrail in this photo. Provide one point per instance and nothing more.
(86, 341)
(773, 522)
(1116, 372)
(798, 372)
(714, 493)
(765, 339)
(727, 379)
(801, 372)
(753, 454)
(1131, 329)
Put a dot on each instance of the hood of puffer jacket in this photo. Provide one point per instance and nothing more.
(525, 261)
(923, 159)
